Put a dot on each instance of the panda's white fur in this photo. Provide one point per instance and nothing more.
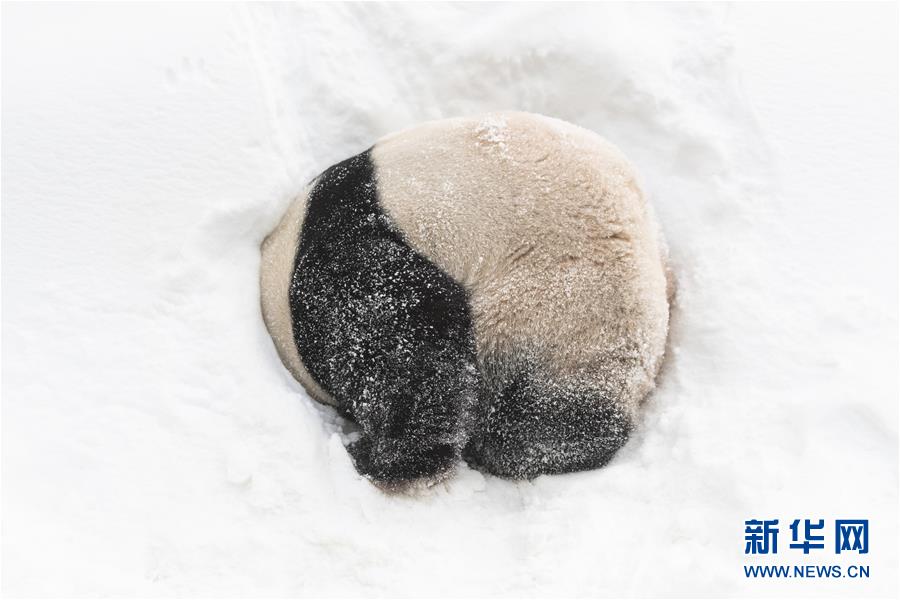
(278, 251)
(544, 225)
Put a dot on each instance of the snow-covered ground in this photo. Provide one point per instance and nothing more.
(154, 445)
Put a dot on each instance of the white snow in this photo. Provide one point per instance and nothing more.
(154, 445)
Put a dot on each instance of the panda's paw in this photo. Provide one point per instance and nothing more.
(394, 463)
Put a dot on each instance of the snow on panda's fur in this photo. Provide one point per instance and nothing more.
(490, 289)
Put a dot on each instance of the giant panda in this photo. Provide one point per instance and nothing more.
(489, 289)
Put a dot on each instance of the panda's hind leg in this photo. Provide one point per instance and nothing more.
(414, 406)
(530, 426)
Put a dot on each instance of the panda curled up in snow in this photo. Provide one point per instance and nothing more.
(489, 289)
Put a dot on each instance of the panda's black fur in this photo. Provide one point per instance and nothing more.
(389, 337)
(382, 330)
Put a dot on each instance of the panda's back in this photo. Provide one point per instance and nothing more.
(545, 224)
